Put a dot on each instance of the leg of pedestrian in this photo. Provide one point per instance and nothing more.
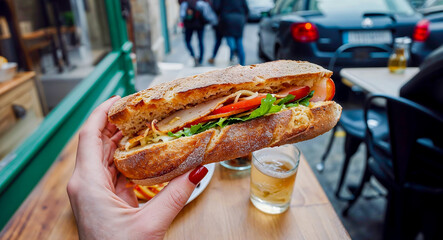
(240, 50)
(201, 45)
(232, 47)
(188, 37)
(218, 40)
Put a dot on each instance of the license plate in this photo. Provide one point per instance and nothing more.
(368, 37)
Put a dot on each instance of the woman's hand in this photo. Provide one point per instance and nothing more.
(103, 201)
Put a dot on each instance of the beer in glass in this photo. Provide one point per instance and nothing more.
(273, 172)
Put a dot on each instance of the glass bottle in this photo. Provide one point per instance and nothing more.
(398, 60)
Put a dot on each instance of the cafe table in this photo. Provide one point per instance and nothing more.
(222, 211)
(378, 79)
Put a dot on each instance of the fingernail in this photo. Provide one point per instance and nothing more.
(198, 174)
(113, 96)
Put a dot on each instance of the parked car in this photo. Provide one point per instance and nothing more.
(429, 31)
(257, 7)
(313, 30)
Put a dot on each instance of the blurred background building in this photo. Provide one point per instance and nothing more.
(62, 41)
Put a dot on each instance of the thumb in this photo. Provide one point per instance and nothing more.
(168, 203)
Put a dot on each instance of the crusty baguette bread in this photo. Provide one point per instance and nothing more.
(131, 113)
(161, 162)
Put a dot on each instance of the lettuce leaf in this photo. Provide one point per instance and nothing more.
(268, 105)
(198, 128)
(286, 99)
(305, 101)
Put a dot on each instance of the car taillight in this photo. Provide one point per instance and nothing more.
(304, 32)
(421, 31)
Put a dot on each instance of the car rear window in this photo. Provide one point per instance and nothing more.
(362, 6)
(433, 3)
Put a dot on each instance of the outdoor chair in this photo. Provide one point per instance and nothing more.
(410, 170)
(426, 87)
(351, 122)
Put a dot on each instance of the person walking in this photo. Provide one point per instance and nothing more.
(233, 15)
(217, 30)
(194, 15)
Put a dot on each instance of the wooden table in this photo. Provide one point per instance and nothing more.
(222, 211)
(378, 80)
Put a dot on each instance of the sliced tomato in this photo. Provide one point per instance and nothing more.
(244, 105)
(323, 91)
(300, 92)
(217, 116)
(330, 89)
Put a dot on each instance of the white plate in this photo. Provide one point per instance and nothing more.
(202, 185)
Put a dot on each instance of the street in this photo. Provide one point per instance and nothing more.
(179, 53)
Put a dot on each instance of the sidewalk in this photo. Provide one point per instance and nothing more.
(179, 63)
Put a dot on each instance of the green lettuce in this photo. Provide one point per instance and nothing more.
(303, 101)
(198, 128)
(286, 99)
(268, 105)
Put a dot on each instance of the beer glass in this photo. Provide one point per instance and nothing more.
(273, 172)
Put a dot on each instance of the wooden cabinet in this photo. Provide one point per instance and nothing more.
(20, 111)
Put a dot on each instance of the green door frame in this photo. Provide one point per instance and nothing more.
(164, 25)
(30, 161)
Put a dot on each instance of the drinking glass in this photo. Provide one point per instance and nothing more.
(273, 173)
(241, 163)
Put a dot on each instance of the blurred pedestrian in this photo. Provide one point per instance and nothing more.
(194, 15)
(233, 15)
(217, 30)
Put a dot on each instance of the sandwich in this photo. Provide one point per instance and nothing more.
(173, 127)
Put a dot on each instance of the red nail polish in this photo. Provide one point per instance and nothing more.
(112, 96)
(198, 174)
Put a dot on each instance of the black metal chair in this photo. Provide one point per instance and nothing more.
(351, 122)
(411, 170)
(426, 87)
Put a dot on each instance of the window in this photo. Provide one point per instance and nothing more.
(288, 6)
(433, 3)
(276, 7)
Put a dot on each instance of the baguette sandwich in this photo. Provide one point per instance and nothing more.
(220, 115)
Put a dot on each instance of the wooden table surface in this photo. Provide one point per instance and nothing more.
(222, 211)
(378, 80)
